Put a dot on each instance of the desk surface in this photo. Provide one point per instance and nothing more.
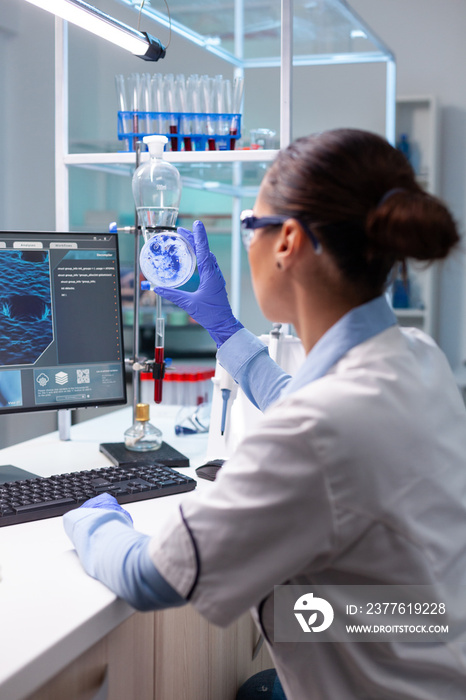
(50, 610)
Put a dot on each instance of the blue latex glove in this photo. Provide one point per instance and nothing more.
(106, 502)
(111, 551)
(209, 304)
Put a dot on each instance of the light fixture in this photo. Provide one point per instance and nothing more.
(93, 20)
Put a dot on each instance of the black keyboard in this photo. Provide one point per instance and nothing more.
(46, 497)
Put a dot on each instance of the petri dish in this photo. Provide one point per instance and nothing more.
(167, 259)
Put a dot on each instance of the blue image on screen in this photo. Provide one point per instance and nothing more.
(26, 327)
(10, 388)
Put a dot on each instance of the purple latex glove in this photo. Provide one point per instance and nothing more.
(209, 304)
(106, 502)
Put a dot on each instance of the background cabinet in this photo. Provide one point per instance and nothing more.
(119, 667)
(196, 661)
(168, 655)
(417, 117)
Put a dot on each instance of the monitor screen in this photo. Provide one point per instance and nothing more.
(61, 336)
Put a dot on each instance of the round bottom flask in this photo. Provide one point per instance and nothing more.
(142, 436)
(167, 259)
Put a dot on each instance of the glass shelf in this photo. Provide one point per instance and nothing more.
(212, 171)
(324, 31)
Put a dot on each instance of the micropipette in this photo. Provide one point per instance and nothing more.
(226, 385)
(225, 398)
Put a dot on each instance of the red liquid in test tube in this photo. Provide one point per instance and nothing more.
(158, 382)
(173, 140)
(233, 132)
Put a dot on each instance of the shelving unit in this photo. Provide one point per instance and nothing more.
(417, 117)
(283, 35)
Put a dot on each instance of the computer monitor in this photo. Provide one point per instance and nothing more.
(61, 336)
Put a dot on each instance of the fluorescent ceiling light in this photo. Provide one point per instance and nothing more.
(93, 20)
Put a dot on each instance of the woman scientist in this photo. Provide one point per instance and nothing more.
(356, 473)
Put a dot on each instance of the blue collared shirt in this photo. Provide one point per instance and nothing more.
(246, 358)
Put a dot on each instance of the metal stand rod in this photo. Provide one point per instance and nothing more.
(61, 170)
(64, 424)
(286, 71)
(136, 369)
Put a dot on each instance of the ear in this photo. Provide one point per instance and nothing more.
(290, 243)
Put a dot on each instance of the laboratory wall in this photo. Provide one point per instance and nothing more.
(27, 164)
(426, 36)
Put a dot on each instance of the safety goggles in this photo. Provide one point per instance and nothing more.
(249, 223)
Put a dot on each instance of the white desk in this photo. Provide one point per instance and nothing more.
(51, 612)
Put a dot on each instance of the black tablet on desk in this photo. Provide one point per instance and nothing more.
(166, 454)
(10, 473)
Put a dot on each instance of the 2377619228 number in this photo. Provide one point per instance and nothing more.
(424, 608)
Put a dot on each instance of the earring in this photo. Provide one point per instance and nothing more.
(279, 265)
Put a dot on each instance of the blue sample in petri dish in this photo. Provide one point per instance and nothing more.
(167, 259)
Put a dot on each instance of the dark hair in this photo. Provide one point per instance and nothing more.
(340, 184)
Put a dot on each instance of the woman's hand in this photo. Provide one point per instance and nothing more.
(209, 304)
(106, 502)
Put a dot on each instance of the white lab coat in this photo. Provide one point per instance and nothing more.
(357, 478)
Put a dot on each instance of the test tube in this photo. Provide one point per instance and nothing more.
(238, 85)
(123, 108)
(193, 98)
(168, 388)
(182, 106)
(225, 110)
(121, 93)
(220, 104)
(207, 89)
(134, 87)
(145, 101)
(159, 351)
(170, 102)
(157, 104)
(227, 97)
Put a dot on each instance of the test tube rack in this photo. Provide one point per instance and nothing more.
(189, 131)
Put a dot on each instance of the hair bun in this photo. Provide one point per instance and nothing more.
(409, 224)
